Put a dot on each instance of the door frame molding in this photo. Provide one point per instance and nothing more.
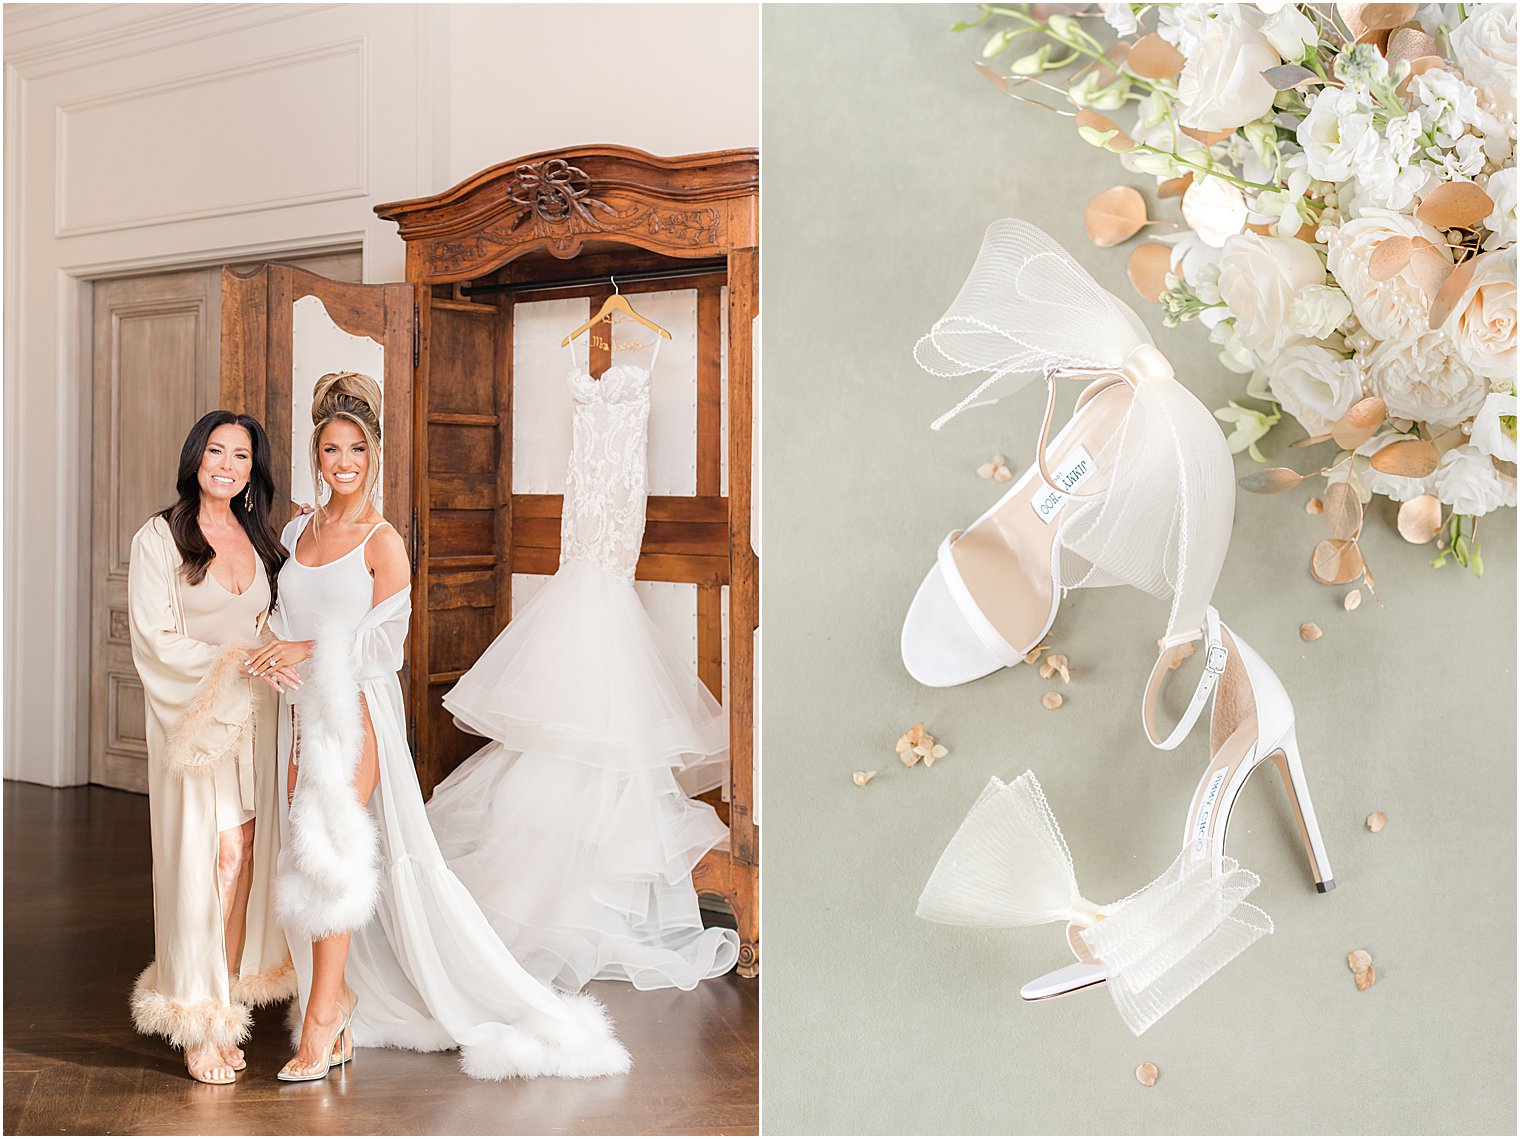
(76, 311)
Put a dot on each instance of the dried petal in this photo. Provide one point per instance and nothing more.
(992, 75)
(986, 470)
(1359, 960)
(1343, 511)
(1429, 266)
(1002, 474)
(1389, 258)
(1180, 653)
(938, 751)
(1146, 1073)
(910, 758)
(1149, 265)
(1455, 205)
(1314, 506)
(1336, 561)
(1420, 519)
(1309, 631)
(1450, 292)
(1047, 667)
(1034, 654)
(1353, 599)
(1270, 481)
(863, 777)
(1360, 422)
(1289, 75)
(1174, 187)
(1052, 700)
(1153, 58)
(1366, 979)
(1115, 215)
(1410, 458)
(1057, 663)
(1376, 822)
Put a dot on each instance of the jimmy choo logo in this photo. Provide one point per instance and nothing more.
(1206, 808)
(1076, 470)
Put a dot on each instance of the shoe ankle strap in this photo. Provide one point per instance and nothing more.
(1052, 370)
(1215, 659)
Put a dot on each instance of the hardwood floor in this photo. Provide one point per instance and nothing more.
(78, 929)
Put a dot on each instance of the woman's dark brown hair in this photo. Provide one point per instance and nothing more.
(184, 516)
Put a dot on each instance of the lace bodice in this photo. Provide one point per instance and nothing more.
(606, 484)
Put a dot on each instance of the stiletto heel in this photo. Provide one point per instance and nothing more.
(1291, 768)
(340, 1053)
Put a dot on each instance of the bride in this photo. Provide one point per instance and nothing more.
(389, 948)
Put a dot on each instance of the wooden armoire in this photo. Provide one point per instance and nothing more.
(558, 224)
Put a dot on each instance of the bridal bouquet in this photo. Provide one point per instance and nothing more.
(1346, 177)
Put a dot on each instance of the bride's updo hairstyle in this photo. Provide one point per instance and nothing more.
(354, 397)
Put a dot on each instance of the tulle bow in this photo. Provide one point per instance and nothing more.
(1008, 865)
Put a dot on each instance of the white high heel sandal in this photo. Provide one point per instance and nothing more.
(1137, 489)
(1008, 864)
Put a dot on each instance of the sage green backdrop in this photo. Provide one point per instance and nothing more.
(886, 156)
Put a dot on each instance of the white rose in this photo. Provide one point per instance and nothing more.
(1259, 277)
(1290, 32)
(1314, 385)
(1467, 482)
(1490, 434)
(1337, 135)
(1424, 380)
(1482, 325)
(1396, 487)
(1501, 223)
(1392, 309)
(1318, 311)
(1221, 87)
(1484, 45)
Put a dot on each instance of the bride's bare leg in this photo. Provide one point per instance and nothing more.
(324, 1017)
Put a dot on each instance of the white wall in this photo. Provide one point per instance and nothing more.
(142, 136)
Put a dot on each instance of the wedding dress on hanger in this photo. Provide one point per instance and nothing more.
(575, 829)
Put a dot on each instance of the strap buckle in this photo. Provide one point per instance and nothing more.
(1214, 663)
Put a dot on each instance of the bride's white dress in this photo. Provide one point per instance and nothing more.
(575, 829)
(429, 971)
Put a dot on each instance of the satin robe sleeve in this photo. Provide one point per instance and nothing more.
(197, 691)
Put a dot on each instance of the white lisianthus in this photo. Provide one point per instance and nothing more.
(1467, 482)
(1394, 308)
(1318, 311)
(1314, 385)
(1337, 135)
(1233, 355)
(1501, 223)
(1425, 380)
(1484, 45)
(1221, 87)
(1289, 31)
(1258, 279)
(1493, 428)
(1182, 25)
(1482, 325)
(1397, 487)
(1120, 17)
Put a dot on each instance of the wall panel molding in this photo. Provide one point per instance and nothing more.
(225, 144)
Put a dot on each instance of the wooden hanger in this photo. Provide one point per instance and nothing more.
(614, 304)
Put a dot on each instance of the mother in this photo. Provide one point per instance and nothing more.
(200, 588)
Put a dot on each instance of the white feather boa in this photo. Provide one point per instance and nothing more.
(331, 881)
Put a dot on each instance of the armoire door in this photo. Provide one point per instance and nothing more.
(282, 329)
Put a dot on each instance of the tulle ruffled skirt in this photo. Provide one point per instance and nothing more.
(575, 830)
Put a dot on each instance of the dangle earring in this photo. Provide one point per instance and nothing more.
(322, 490)
(248, 498)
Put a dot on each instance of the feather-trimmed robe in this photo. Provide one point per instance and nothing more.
(202, 710)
